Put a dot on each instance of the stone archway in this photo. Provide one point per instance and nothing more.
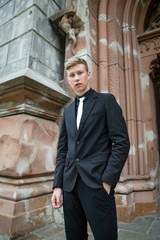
(124, 71)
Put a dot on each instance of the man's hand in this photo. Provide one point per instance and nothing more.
(107, 187)
(56, 199)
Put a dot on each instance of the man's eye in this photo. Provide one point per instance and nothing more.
(79, 73)
(72, 75)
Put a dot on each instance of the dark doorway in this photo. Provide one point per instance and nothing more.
(155, 76)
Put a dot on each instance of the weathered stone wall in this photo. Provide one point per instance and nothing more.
(121, 71)
(31, 100)
(28, 39)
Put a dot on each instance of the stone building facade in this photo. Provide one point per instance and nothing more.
(121, 42)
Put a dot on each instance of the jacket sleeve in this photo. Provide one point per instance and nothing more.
(61, 155)
(118, 135)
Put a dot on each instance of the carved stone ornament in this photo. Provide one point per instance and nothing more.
(149, 42)
(70, 23)
(153, 44)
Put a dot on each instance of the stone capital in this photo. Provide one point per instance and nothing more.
(28, 92)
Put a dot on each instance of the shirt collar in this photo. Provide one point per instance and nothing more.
(86, 95)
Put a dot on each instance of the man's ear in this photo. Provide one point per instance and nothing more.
(89, 75)
(67, 80)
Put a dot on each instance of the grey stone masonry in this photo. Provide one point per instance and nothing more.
(28, 40)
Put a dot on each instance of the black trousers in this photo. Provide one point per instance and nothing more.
(96, 206)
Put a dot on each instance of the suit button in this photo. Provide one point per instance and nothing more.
(77, 142)
(77, 159)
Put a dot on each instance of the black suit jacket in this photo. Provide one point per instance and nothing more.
(98, 150)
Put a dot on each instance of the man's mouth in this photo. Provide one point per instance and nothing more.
(78, 84)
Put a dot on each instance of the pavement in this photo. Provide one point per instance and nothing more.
(141, 228)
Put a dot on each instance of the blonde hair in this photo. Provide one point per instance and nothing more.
(74, 61)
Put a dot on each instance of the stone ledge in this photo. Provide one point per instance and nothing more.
(135, 185)
(29, 92)
(22, 189)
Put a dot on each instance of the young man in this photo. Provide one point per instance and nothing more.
(90, 158)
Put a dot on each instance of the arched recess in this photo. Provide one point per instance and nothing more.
(144, 23)
(149, 41)
(121, 71)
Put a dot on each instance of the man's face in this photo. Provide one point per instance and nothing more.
(79, 79)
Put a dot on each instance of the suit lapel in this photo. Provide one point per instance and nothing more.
(88, 106)
(72, 117)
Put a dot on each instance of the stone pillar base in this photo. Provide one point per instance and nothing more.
(24, 205)
(30, 109)
(136, 198)
(127, 210)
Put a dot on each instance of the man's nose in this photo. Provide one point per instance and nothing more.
(76, 78)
